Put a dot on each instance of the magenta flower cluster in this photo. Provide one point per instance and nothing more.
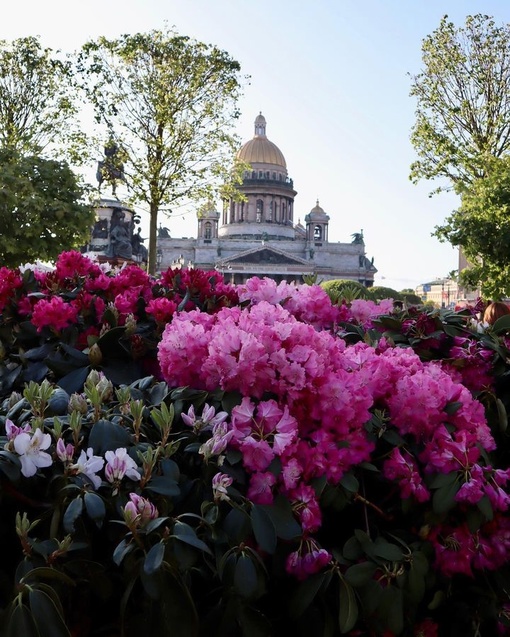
(323, 394)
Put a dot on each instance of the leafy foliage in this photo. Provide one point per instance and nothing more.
(133, 505)
(37, 103)
(168, 103)
(462, 114)
(345, 289)
(482, 228)
(42, 209)
(379, 292)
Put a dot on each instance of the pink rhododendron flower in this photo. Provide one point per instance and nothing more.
(73, 264)
(307, 560)
(55, 313)
(30, 449)
(10, 281)
(402, 468)
(161, 309)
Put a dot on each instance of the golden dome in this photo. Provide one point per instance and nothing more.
(260, 150)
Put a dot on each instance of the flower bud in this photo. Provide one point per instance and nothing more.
(78, 402)
(95, 355)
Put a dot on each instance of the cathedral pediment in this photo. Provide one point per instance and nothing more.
(265, 255)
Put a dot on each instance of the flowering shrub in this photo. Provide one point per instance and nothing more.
(184, 457)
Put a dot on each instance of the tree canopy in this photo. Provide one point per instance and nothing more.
(169, 103)
(38, 105)
(42, 209)
(481, 226)
(463, 101)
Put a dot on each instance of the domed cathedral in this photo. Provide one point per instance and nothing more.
(258, 236)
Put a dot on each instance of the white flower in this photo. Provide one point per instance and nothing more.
(89, 465)
(29, 447)
(119, 464)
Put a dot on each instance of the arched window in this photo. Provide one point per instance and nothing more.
(260, 210)
(317, 233)
(208, 230)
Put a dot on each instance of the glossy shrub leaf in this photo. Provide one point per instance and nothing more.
(263, 529)
(245, 576)
(352, 549)
(360, 574)
(387, 551)
(121, 550)
(154, 558)
(164, 485)
(95, 507)
(49, 621)
(21, 623)
(108, 436)
(72, 513)
(444, 498)
(174, 613)
(185, 533)
(283, 519)
(306, 593)
(348, 610)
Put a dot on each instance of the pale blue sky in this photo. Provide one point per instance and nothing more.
(330, 77)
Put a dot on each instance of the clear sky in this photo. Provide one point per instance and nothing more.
(331, 79)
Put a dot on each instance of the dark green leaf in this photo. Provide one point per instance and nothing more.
(95, 507)
(359, 574)
(352, 549)
(164, 485)
(49, 621)
(245, 576)
(387, 551)
(305, 594)
(263, 529)
(443, 480)
(122, 549)
(283, 519)
(348, 613)
(186, 533)
(108, 436)
(502, 415)
(350, 483)
(21, 623)
(72, 513)
(444, 498)
(154, 558)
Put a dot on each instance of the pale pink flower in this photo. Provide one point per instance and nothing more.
(30, 450)
(139, 509)
(120, 464)
(12, 430)
(220, 484)
(89, 465)
(65, 452)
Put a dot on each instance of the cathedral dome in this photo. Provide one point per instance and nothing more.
(260, 150)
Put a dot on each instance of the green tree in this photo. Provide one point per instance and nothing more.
(481, 226)
(42, 209)
(346, 290)
(169, 103)
(463, 110)
(379, 293)
(38, 105)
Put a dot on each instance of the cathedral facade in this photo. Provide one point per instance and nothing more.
(258, 236)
